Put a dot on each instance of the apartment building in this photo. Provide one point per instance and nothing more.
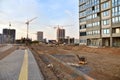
(40, 36)
(99, 22)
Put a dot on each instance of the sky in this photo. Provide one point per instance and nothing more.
(49, 13)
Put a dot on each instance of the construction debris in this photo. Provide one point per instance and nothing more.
(50, 65)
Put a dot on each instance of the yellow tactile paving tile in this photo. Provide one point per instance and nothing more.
(24, 69)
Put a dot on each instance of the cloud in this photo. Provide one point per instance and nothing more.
(49, 12)
(20, 8)
(17, 12)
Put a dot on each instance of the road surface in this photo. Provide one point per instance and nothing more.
(20, 65)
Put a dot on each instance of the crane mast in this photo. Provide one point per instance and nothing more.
(28, 22)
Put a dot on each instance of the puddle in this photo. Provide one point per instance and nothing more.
(72, 59)
(85, 69)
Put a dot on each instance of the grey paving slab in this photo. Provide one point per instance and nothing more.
(34, 72)
(10, 66)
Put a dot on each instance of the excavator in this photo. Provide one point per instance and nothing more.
(82, 59)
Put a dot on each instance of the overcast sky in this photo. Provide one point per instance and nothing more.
(50, 13)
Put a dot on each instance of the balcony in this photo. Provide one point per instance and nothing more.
(106, 26)
(81, 3)
(82, 30)
(93, 28)
(82, 16)
(103, 9)
(104, 1)
(83, 37)
(82, 23)
(114, 25)
(93, 36)
(93, 20)
(116, 34)
(105, 35)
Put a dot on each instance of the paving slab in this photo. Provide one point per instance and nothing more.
(11, 66)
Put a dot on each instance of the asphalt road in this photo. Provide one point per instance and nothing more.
(20, 65)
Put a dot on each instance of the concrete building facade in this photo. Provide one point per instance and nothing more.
(60, 35)
(1, 38)
(40, 36)
(99, 22)
(9, 35)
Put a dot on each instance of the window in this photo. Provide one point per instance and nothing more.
(105, 22)
(116, 11)
(82, 14)
(93, 8)
(82, 19)
(82, 33)
(113, 20)
(91, 3)
(82, 7)
(115, 2)
(106, 31)
(92, 16)
(105, 5)
(117, 30)
(93, 24)
(82, 1)
(105, 13)
(89, 33)
(82, 26)
(83, 41)
(116, 19)
(96, 32)
(96, 24)
(97, 8)
(89, 25)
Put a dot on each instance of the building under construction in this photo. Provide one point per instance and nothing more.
(40, 36)
(60, 35)
(9, 35)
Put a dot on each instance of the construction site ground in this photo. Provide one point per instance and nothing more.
(5, 52)
(102, 63)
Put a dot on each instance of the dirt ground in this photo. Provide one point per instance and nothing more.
(1, 45)
(7, 52)
(103, 63)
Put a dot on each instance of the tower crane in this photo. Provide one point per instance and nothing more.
(28, 22)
